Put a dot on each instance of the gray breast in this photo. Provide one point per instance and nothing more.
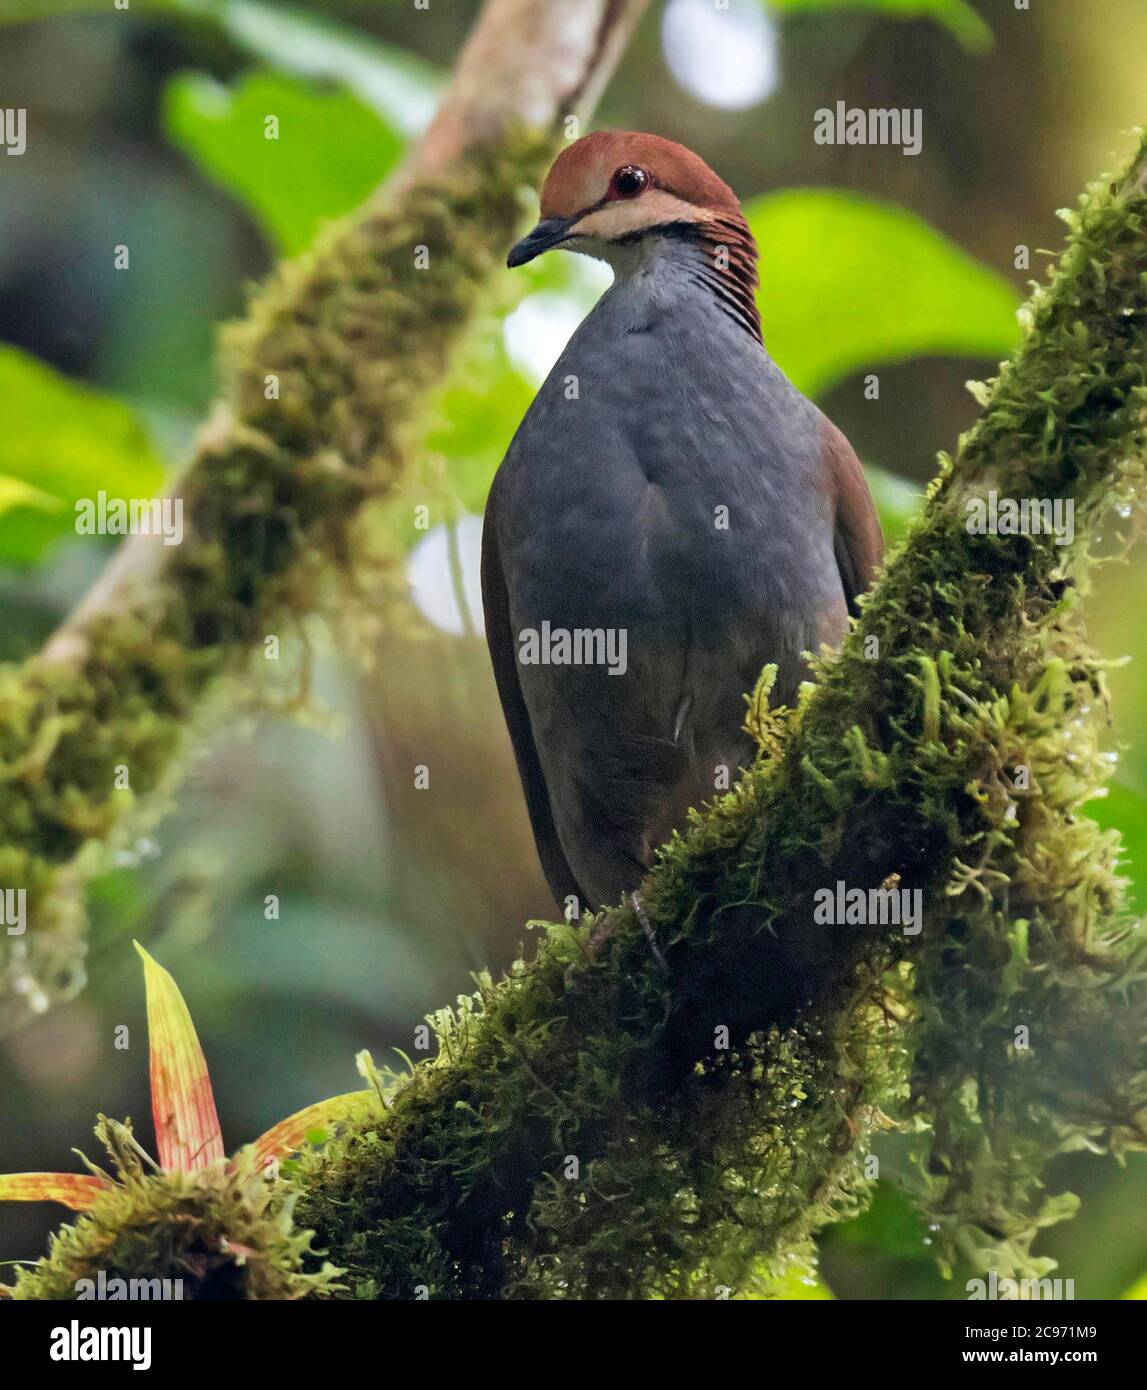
(663, 489)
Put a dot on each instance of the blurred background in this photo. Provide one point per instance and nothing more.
(146, 129)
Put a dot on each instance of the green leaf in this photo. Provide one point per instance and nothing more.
(402, 89)
(14, 492)
(473, 418)
(957, 16)
(897, 501)
(1123, 808)
(331, 150)
(61, 442)
(851, 283)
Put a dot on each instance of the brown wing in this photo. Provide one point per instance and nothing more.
(500, 640)
(857, 540)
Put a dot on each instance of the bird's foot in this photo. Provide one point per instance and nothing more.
(647, 929)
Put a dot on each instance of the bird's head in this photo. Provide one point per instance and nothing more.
(614, 190)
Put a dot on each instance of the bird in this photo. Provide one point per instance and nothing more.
(671, 516)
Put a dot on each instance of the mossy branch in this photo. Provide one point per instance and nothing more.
(327, 377)
(597, 1126)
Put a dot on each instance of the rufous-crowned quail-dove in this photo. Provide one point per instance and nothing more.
(671, 516)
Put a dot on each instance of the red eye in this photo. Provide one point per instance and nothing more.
(628, 182)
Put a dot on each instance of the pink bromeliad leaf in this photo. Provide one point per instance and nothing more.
(76, 1190)
(289, 1135)
(187, 1130)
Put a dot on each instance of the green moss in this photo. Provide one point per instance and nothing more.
(666, 1199)
(225, 1232)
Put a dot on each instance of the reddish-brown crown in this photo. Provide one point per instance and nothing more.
(592, 187)
(581, 174)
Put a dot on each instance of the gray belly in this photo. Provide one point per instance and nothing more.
(651, 724)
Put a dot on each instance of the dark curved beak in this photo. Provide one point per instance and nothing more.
(546, 235)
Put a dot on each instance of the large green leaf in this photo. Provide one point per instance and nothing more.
(957, 16)
(473, 419)
(850, 282)
(61, 442)
(401, 88)
(331, 150)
